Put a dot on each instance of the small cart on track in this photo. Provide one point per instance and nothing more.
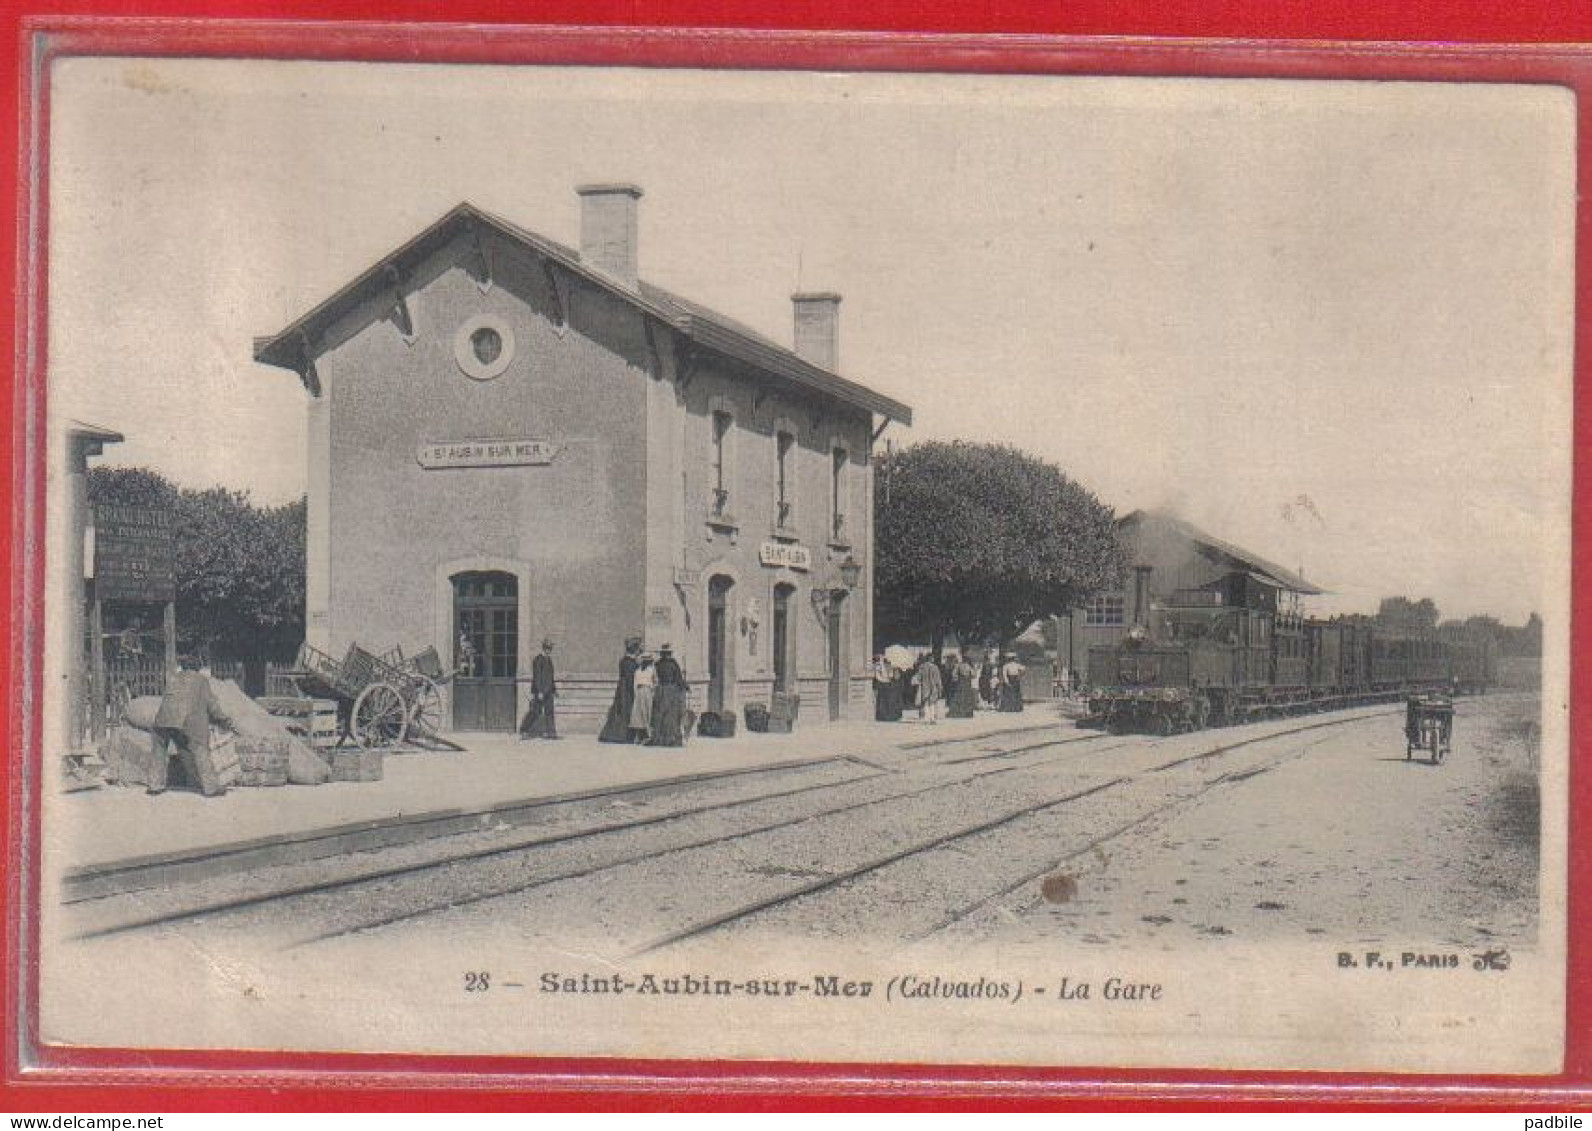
(1429, 726)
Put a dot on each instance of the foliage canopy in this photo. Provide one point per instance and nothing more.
(981, 540)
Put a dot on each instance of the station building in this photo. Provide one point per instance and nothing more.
(1174, 564)
(510, 440)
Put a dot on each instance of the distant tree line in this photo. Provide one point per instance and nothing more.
(240, 567)
(1403, 614)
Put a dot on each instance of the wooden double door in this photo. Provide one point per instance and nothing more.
(486, 626)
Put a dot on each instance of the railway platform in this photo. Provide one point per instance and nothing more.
(111, 834)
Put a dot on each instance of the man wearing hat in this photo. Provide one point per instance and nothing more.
(182, 728)
(538, 721)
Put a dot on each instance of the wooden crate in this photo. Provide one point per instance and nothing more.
(224, 756)
(355, 765)
(313, 720)
(262, 761)
(782, 712)
(321, 728)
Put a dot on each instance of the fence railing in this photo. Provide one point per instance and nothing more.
(142, 675)
(276, 678)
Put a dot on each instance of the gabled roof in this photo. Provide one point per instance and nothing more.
(715, 331)
(85, 431)
(90, 439)
(1254, 564)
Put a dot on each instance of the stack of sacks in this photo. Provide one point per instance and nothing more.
(249, 719)
(129, 750)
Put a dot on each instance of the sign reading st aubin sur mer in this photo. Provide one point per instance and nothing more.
(486, 453)
(135, 553)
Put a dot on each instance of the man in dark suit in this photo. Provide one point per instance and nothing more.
(539, 721)
(182, 727)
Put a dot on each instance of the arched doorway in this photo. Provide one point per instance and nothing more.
(720, 674)
(784, 641)
(486, 642)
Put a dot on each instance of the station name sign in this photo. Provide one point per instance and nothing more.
(785, 554)
(486, 453)
(135, 553)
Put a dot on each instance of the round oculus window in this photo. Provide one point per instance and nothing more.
(484, 347)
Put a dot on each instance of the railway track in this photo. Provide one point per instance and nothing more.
(452, 871)
(788, 896)
(1095, 846)
(108, 881)
(201, 909)
(1002, 822)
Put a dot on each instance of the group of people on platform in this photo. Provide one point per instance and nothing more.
(651, 700)
(649, 707)
(952, 686)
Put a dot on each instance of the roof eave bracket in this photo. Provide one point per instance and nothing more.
(688, 363)
(306, 366)
(558, 284)
(400, 314)
(482, 261)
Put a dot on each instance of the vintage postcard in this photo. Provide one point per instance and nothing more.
(806, 566)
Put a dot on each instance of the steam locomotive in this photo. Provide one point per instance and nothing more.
(1194, 661)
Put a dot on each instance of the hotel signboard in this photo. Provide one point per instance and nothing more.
(135, 553)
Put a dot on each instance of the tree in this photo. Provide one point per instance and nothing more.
(131, 486)
(240, 568)
(1405, 615)
(240, 575)
(1525, 640)
(982, 540)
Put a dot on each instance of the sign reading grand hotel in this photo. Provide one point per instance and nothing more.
(135, 557)
(486, 453)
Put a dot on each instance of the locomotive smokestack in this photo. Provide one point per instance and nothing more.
(1141, 597)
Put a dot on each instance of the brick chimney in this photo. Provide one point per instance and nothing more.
(818, 329)
(608, 229)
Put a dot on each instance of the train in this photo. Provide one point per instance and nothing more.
(1196, 662)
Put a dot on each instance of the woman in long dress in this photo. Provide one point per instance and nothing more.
(1012, 684)
(616, 727)
(668, 702)
(964, 689)
(646, 690)
(886, 692)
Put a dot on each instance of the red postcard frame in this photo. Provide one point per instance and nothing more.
(138, 1079)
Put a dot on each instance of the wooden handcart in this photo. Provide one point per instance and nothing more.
(381, 700)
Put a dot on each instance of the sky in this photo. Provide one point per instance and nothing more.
(1330, 321)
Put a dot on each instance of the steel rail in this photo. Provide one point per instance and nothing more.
(941, 841)
(378, 875)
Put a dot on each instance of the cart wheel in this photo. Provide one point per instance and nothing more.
(425, 709)
(379, 717)
(1165, 724)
